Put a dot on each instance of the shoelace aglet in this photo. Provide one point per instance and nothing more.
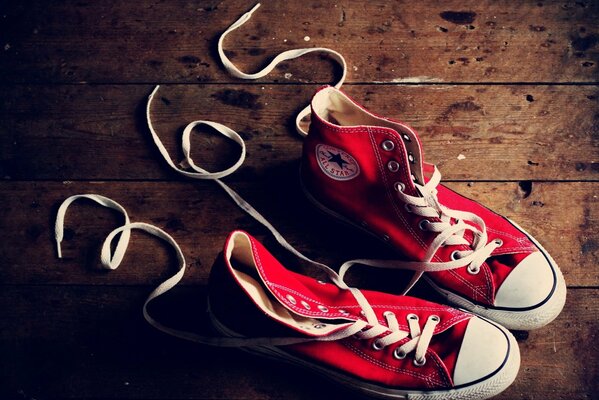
(58, 248)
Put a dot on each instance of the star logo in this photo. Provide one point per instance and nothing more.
(336, 163)
(336, 158)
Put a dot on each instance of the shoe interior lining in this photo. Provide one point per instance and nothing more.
(336, 108)
(239, 254)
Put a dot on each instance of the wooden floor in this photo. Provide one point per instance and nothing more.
(505, 95)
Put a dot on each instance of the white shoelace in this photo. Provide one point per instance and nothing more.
(284, 56)
(369, 329)
(427, 205)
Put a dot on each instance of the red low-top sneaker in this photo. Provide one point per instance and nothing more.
(384, 345)
(369, 171)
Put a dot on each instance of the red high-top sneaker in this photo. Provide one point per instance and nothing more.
(385, 345)
(369, 171)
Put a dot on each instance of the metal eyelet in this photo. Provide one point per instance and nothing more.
(306, 305)
(420, 363)
(388, 145)
(386, 238)
(455, 255)
(321, 282)
(411, 158)
(498, 242)
(393, 166)
(406, 137)
(414, 178)
(319, 326)
(344, 312)
(376, 345)
(423, 225)
(323, 308)
(473, 271)
(408, 207)
(388, 314)
(291, 299)
(398, 186)
(399, 354)
(413, 317)
(434, 318)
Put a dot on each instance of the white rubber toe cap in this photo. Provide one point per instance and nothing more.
(484, 351)
(528, 285)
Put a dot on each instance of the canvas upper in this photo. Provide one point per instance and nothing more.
(252, 295)
(366, 169)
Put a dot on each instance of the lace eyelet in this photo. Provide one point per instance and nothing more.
(408, 208)
(399, 354)
(498, 242)
(388, 145)
(420, 363)
(306, 305)
(321, 282)
(400, 187)
(393, 166)
(413, 317)
(434, 318)
(414, 178)
(388, 314)
(406, 137)
(455, 255)
(473, 271)
(423, 225)
(411, 158)
(344, 312)
(291, 299)
(376, 345)
(323, 308)
(319, 326)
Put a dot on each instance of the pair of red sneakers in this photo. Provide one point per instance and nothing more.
(368, 171)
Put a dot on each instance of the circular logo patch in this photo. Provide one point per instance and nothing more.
(336, 163)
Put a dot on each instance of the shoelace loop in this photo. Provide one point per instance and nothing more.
(363, 329)
(360, 329)
(448, 233)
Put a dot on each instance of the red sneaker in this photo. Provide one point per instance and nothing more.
(384, 345)
(369, 171)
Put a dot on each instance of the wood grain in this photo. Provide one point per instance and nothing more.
(430, 41)
(105, 350)
(512, 132)
(200, 215)
(505, 95)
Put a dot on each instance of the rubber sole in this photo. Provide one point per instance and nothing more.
(484, 388)
(526, 319)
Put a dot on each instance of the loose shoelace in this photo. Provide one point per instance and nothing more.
(371, 328)
(368, 329)
(284, 56)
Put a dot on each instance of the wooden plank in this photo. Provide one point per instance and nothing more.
(486, 41)
(513, 132)
(562, 216)
(106, 350)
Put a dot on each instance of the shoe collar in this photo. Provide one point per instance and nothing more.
(332, 109)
